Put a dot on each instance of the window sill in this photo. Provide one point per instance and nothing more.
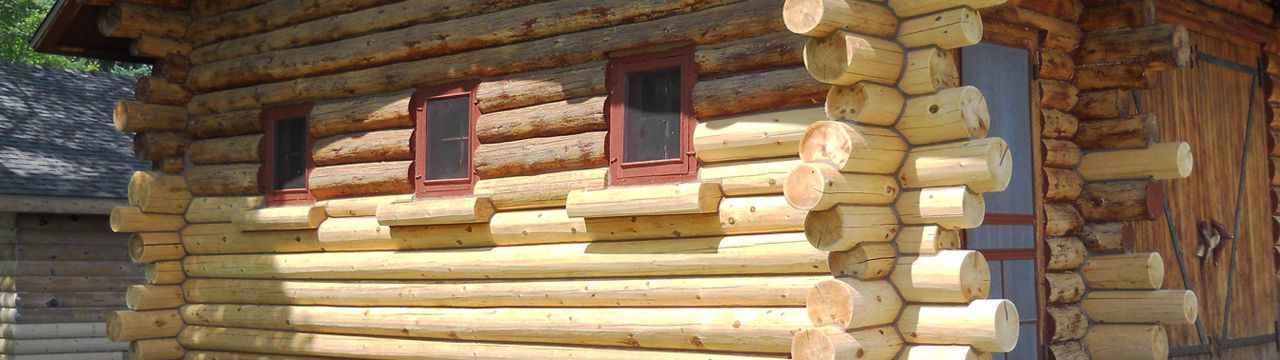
(300, 217)
(642, 200)
(443, 211)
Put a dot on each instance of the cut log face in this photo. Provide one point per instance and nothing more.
(842, 227)
(818, 18)
(853, 148)
(819, 186)
(929, 70)
(865, 103)
(834, 343)
(845, 58)
(850, 304)
(948, 29)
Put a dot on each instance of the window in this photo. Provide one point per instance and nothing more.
(287, 155)
(443, 139)
(1008, 235)
(650, 110)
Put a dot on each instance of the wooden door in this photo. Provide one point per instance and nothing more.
(1208, 105)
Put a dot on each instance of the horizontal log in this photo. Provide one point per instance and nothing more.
(360, 179)
(926, 239)
(663, 199)
(1061, 219)
(947, 29)
(54, 315)
(53, 331)
(69, 268)
(831, 342)
(456, 210)
(753, 136)
(929, 70)
(1068, 322)
(819, 186)
(1125, 271)
(752, 177)
(159, 145)
(346, 346)
(984, 165)
(132, 219)
(1103, 104)
(42, 252)
(133, 116)
(349, 115)
(949, 276)
(767, 51)
(151, 247)
(842, 227)
(372, 146)
(864, 103)
(128, 325)
(1065, 253)
(1122, 133)
(154, 192)
(867, 261)
(987, 325)
(1056, 65)
(267, 17)
(172, 67)
(950, 207)
(951, 352)
(1127, 14)
(152, 297)
(66, 283)
(1148, 307)
(157, 90)
(226, 150)
(756, 91)
(542, 190)
(818, 18)
(540, 155)
(1126, 76)
(551, 119)
(224, 180)
(128, 20)
(1145, 341)
(909, 8)
(849, 303)
(1159, 161)
(296, 217)
(1060, 153)
(228, 355)
(1057, 124)
(1059, 34)
(360, 206)
(66, 348)
(845, 58)
(156, 349)
(220, 209)
(1063, 287)
(157, 48)
(952, 114)
(787, 253)
(540, 87)
(760, 330)
(1107, 236)
(1121, 201)
(853, 148)
(164, 273)
(1158, 47)
(59, 300)
(1062, 184)
(1058, 95)
(229, 123)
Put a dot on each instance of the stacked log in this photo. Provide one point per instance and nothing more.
(896, 122)
(1273, 127)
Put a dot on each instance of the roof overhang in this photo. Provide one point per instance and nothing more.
(71, 29)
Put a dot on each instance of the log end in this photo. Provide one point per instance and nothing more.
(808, 17)
(830, 141)
(1004, 318)
(805, 185)
(973, 106)
(120, 116)
(975, 275)
(831, 302)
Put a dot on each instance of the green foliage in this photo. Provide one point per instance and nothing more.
(19, 20)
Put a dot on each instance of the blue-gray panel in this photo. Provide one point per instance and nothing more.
(1020, 286)
(1004, 75)
(993, 236)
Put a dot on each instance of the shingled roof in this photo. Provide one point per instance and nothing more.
(56, 135)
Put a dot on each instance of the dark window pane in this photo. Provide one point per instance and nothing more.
(290, 154)
(995, 236)
(997, 283)
(1004, 75)
(448, 138)
(651, 121)
(1028, 343)
(1020, 286)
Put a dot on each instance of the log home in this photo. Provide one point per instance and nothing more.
(696, 179)
(62, 170)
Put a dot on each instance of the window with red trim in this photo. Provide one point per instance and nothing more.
(286, 154)
(444, 139)
(650, 110)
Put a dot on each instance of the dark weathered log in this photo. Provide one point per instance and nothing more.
(1059, 95)
(540, 87)
(207, 8)
(158, 145)
(1061, 219)
(1068, 10)
(1130, 76)
(1066, 322)
(1158, 47)
(1124, 14)
(372, 146)
(173, 67)
(1062, 184)
(360, 179)
(382, 111)
(1060, 34)
(538, 155)
(1064, 288)
(226, 150)
(1123, 133)
(761, 52)
(128, 20)
(269, 16)
(1121, 201)
(1056, 65)
(157, 47)
(226, 124)
(1107, 237)
(1060, 153)
(1065, 253)
(157, 90)
(1103, 104)
(553, 119)
(172, 166)
(221, 180)
(767, 90)
(1057, 124)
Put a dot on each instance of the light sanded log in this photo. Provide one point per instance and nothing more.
(1128, 342)
(1125, 271)
(1122, 133)
(134, 116)
(1065, 253)
(380, 145)
(376, 112)
(753, 177)
(908, 8)
(336, 232)
(150, 247)
(943, 352)
(951, 114)
(543, 190)
(1063, 288)
(128, 20)
(360, 179)
(769, 51)
(1148, 307)
(948, 29)
(1062, 184)
(984, 165)
(220, 209)
(346, 346)
(1058, 95)
(540, 87)
(156, 349)
(1060, 153)
(929, 70)
(1108, 236)
(1057, 124)
(664, 199)
(538, 155)
(552, 119)
(1134, 200)
(850, 303)
(763, 330)
(230, 123)
(1128, 76)
(987, 325)
(753, 136)
(834, 343)
(1069, 322)
(1103, 104)
(296, 217)
(864, 103)
(1158, 47)
(787, 253)
(865, 261)
(745, 291)
(756, 91)
(456, 210)
(819, 18)
(157, 90)
(950, 276)
(853, 148)
(1056, 65)
(360, 206)
(845, 58)
(226, 150)
(164, 273)
(819, 186)
(54, 331)
(1061, 219)
(843, 227)
(221, 180)
(128, 325)
(155, 192)
(132, 219)
(227, 238)
(152, 297)
(926, 239)
(1159, 161)
(950, 207)
(61, 349)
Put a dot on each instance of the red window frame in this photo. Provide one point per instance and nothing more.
(267, 152)
(655, 171)
(418, 110)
